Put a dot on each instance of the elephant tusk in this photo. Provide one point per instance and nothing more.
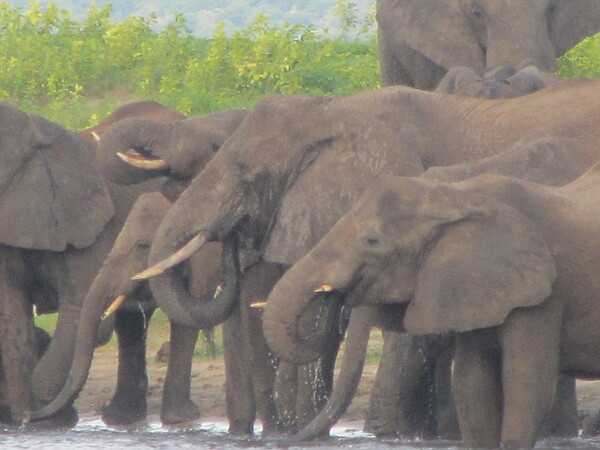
(140, 162)
(258, 305)
(324, 289)
(176, 258)
(117, 302)
(218, 290)
(95, 136)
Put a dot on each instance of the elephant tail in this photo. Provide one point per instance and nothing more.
(348, 379)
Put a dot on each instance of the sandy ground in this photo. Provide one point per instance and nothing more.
(208, 378)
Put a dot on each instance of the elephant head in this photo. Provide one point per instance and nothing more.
(447, 257)
(421, 39)
(136, 149)
(146, 108)
(263, 185)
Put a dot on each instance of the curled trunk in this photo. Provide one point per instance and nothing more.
(181, 225)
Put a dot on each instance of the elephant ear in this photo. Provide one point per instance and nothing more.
(336, 177)
(574, 20)
(439, 30)
(478, 271)
(50, 193)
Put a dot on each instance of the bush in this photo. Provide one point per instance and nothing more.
(56, 66)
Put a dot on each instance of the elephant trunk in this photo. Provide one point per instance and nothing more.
(140, 136)
(348, 379)
(179, 226)
(297, 319)
(87, 332)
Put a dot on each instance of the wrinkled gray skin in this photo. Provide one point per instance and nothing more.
(73, 274)
(420, 40)
(186, 146)
(297, 164)
(276, 172)
(250, 380)
(506, 265)
(410, 418)
(414, 398)
(393, 409)
(480, 48)
(68, 210)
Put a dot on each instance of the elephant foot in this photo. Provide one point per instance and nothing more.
(124, 410)
(179, 412)
(67, 418)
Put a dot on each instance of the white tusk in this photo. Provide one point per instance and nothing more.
(139, 162)
(95, 136)
(258, 305)
(117, 302)
(176, 258)
(324, 288)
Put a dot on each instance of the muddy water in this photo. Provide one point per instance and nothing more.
(92, 434)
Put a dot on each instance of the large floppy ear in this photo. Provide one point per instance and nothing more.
(572, 21)
(477, 271)
(439, 30)
(50, 193)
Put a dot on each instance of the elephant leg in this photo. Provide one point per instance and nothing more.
(239, 390)
(128, 404)
(446, 419)
(286, 393)
(477, 389)
(16, 337)
(563, 420)
(177, 405)
(263, 367)
(530, 350)
(401, 395)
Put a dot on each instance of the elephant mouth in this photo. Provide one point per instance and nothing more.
(319, 317)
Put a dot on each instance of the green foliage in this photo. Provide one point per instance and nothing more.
(583, 60)
(57, 66)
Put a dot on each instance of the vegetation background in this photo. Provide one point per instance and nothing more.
(74, 64)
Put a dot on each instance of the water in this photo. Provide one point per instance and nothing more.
(92, 434)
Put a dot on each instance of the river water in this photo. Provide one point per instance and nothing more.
(92, 434)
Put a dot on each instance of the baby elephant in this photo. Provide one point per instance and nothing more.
(510, 267)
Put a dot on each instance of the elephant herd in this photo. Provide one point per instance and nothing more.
(460, 221)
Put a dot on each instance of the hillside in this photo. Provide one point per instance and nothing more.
(203, 15)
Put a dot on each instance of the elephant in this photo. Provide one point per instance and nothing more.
(393, 408)
(418, 375)
(68, 277)
(68, 209)
(420, 40)
(268, 184)
(138, 149)
(504, 265)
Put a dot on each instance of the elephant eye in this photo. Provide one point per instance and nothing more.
(372, 242)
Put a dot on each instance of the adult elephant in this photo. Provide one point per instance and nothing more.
(139, 149)
(506, 265)
(420, 404)
(68, 207)
(269, 182)
(420, 40)
(74, 274)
